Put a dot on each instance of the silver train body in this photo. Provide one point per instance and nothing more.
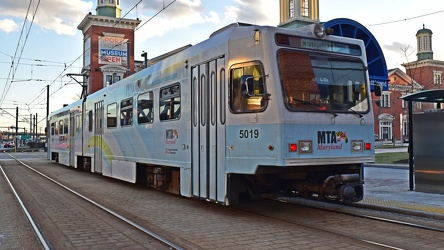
(251, 112)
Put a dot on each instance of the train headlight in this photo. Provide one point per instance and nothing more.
(292, 147)
(320, 31)
(357, 146)
(305, 147)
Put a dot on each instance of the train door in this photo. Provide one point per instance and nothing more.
(208, 153)
(98, 133)
(72, 146)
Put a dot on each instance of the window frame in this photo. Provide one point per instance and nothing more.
(235, 97)
(170, 96)
(141, 110)
(60, 127)
(126, 112)
(110, 118)
(305, 8)
(385, 100)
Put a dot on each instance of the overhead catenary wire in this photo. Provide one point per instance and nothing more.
(13, 68)
(36, 100)
(81, 55)
(406, 19)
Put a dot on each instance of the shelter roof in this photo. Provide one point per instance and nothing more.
(434, 95)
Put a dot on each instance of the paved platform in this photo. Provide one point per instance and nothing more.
(388, 187)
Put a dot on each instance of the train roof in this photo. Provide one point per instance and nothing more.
(219, 36)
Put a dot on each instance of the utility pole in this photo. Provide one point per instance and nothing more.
(128, 63)
(30, 126)
(47, 121)
(145, 59)
(16, 128)
(33, 127)
(35, 130)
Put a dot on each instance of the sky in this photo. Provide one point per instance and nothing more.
(41, 42)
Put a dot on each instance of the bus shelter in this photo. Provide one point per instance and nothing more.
(426, 139)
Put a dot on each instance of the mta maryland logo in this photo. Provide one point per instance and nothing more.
(331, 140)
(331, 137)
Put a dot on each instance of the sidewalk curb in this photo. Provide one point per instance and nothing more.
(395, 166)
(399, 210)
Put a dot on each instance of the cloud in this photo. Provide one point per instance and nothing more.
(400, 48)
(183, 14)
(261, 12)
(180, 15)
(8, 25)
(166, 8)
(60, 16)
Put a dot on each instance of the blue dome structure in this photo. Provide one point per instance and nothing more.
(377, 67)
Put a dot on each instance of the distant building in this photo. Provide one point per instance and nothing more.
(391, 114)
(108, 46)
(391, 120)
(425, 70)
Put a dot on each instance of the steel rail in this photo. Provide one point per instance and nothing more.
(28, 215)
(115, 214)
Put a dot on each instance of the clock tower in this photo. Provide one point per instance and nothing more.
(298, 13)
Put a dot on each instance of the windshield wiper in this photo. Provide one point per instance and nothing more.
(317, 106)
(348, 109)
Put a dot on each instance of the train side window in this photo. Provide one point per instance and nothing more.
(169, 103)
(145, 108)
(65, 126)
(111, 115)
(126, 112)
(204, 101)
(78, 121)
(222, 96)
(61, 127)
(247, 88)
(195, 107)
(213, 106)
(53, 128)
(90, 121)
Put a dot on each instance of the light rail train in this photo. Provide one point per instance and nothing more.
(251, 112)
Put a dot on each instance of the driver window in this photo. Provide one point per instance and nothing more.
(247, 88)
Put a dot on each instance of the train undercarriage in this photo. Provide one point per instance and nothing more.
(341, 183)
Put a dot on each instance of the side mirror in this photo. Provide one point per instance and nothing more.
(378, 90)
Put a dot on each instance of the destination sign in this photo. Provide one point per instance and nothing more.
(315, 44)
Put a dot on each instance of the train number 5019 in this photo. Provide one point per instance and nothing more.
(245, 134)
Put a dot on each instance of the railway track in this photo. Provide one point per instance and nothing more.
(342, 216)
(145, 239)
(414, 220)
(194, 224)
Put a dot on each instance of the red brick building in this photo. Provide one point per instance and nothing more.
(425, 70)
(390, 111)
(108, 46)
(391, 114)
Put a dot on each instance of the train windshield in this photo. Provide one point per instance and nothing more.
(323, 83)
